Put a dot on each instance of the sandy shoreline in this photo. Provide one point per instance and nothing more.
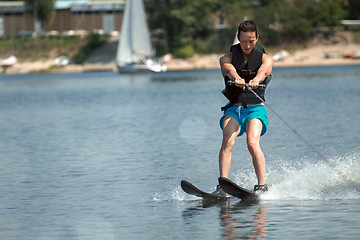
(311, 56)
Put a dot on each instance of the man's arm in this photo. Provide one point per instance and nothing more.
(229, 70)
(264, 70)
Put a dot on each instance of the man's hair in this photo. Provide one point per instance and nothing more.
(248, 26)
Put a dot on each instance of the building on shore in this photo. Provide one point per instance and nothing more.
(72, 17)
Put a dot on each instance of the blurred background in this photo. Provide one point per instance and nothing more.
(187, 33)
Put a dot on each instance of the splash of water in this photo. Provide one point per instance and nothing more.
(316, 181)
(303, 180)
(176, 194)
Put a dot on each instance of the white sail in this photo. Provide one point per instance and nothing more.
(134, 50)
(125, 50)
(140, 35)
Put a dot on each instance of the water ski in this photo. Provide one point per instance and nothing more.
(192, 190)
(235, 190)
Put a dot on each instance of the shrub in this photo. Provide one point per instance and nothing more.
(184, 52)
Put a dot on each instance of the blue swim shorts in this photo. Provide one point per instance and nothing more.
(244, 115)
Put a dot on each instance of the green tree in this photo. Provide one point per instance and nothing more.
(181, 21)
(353, 9)
(191, 22)
(327, 13)
(44, 8)
(293, 20)
(236, 10)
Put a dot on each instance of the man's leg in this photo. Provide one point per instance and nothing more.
(253, 131)
(231, 130)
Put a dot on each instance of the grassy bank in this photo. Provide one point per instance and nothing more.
(37, 55)
(31, 49)
(78, 48)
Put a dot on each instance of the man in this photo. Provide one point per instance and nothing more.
(246, 63)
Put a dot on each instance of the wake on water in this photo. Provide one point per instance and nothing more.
(339, 180)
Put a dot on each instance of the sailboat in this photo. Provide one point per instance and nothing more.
(134, 52)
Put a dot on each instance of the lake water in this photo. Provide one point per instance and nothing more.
(101, 156)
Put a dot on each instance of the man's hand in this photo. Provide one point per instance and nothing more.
(254, 82)
(239, 81)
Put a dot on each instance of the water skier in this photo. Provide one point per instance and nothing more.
(246, 63)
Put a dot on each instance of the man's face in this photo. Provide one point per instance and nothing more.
(247, 41)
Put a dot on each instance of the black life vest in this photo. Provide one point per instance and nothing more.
(247, 71)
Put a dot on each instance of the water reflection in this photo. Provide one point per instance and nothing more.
(243, 220)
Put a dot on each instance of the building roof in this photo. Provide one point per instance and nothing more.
(74, 5)
(61, 4)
